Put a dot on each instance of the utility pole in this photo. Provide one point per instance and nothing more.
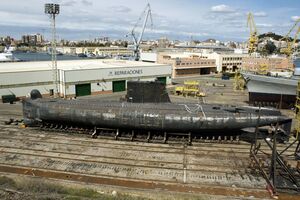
(53, 10)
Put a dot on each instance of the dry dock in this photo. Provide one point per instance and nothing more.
(214, 169)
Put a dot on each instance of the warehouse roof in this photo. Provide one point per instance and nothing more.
(72, 65)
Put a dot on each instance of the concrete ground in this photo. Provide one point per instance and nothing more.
(215, 92)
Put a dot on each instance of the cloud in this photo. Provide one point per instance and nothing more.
(164, 23)
(116, 18)
(69, 3)
(86, 2)
(264, 25)
(73, 2)
(295, 18)
(120, 9)
(14, 19)
(260, 14)
(222, 9)
(195, 34)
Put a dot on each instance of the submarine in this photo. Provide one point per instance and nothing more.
(197, 119)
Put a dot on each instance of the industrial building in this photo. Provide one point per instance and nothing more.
(98, 51)
(187, 65)
(77, 77)
(269, 63)
(149, 56)
(226, 62)
(223, 61)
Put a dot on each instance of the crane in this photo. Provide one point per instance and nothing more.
(137, 40)
(288, 49)
(253, 39)
(294, 41)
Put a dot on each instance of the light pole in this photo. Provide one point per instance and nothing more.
(53, 10)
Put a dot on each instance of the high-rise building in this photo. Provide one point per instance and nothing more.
(33, 39)
(39, 38)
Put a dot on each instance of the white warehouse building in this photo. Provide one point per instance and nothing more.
(77, 77)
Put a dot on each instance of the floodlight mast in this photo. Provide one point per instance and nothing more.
(53, 10)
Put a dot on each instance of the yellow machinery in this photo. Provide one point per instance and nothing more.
(263, 69)
(190, 88)
(253, 39)
(239, 82)
(294, 41)
(288, 50)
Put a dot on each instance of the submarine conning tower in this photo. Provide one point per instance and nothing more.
(35, 94)
(147, 92)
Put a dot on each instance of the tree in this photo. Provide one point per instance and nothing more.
(268, 49)
(271, 35)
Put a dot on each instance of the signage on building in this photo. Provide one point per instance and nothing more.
(125, 72)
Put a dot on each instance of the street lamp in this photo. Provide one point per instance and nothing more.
(53, 10)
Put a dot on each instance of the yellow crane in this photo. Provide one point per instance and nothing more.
(295, 38)
(288, 51)
(253, 39)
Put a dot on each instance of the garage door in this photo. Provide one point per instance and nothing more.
(119, 86)
(162, 79)
(83, 89)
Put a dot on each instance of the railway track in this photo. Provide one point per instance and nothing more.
(240, 150)
(240, 147)
(208, 168)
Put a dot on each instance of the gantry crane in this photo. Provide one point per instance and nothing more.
(137, 40)
(253, 39)
(288, 50)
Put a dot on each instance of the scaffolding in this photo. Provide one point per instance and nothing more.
(274, 165)
(297, 113)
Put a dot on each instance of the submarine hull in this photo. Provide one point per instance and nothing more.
(164, 117)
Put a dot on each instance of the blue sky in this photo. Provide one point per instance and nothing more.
(175, 19)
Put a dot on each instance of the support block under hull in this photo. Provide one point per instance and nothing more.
(274, 100)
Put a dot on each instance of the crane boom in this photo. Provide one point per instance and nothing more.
(148, 13)
(296, 36)
(295, 39)
(289, 44)
(295, 24)
(137, 40)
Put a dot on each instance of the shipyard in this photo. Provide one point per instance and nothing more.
(138, 101)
